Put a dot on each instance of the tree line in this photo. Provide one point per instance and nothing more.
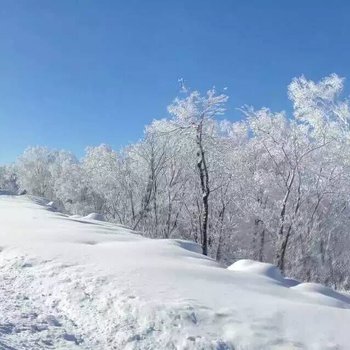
(272, 187)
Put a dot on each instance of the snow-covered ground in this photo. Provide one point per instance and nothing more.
(78, 283)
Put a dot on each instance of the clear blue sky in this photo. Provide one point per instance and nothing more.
(83, 72)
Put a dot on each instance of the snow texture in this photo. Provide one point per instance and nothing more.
(72, 283)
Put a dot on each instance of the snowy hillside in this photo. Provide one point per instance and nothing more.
(79, 283)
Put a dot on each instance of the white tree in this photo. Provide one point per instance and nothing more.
(271, 187)
(195, 114)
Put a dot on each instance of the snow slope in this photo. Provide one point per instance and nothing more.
(77, 283)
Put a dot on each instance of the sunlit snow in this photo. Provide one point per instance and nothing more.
(79, 283)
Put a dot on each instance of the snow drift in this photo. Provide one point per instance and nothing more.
(76, 283)
(94, 216)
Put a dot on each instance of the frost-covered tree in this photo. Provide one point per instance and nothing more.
(271, 187)
(8, 178)
(195, 115)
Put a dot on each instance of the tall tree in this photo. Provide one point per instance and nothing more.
(195, 114)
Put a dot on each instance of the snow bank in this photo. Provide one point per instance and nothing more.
(75, 216)
(69, 283)
(258, 268)
(262, 269)
(190, 246)
(94, 216)
(317, 289)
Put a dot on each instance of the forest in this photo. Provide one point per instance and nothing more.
(273, 186)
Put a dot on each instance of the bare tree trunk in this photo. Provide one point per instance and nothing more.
(204, 180)
(259, 245)
(258, 241)
(168, 220)
(145, 201)
(155, 209)
(281, 250)
(262, 245)
(132, 205)
(221, 238)
(284, 237)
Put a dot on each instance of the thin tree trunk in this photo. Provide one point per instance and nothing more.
(221, 216)
(281, 252)
(284, 238)
(204, 180)
(262, 245)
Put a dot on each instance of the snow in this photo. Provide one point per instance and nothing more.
(259, 268)
(75, 216)
(76, 283)
(318, 290)
(94, 216)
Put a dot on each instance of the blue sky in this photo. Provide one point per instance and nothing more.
(83, 72)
